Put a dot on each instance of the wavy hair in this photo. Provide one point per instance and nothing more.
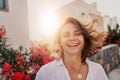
(91, 46)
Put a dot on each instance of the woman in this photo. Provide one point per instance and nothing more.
(75, 45)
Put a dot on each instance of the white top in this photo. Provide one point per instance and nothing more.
(56, 70)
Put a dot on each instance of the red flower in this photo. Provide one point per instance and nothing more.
(36, 53)
(47, 59)
(19, 57)
(40, 52)
(17, 76)
(36, 68)
(6, 69)
(118, 41)
(2, 35)
(27, 77)
(2, 31)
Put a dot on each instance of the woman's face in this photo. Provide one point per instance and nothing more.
(71, 39)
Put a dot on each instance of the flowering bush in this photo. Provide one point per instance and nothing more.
(20, 64)
(118, 41)
(2, 31)
(113, 35)
(39, 58)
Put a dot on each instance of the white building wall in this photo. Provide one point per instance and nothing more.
(112, 21)
(106, 22)
(75, 8)
(16, 22)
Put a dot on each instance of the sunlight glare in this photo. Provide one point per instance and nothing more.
(49, 23)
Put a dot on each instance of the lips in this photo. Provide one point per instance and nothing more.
(72, 44)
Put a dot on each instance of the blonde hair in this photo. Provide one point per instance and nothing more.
(90, 48)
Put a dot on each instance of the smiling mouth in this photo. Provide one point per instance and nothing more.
(72, 44)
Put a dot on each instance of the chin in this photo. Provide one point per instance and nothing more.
(74, 52)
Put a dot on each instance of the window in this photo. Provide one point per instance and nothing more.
(4, 5)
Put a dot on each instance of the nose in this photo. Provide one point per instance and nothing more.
(72, 38)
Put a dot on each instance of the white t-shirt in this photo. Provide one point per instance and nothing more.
(56, 70)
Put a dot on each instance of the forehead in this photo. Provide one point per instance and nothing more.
(70, 26)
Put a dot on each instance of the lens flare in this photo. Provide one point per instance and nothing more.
(49, 24)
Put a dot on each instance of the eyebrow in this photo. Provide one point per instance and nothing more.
(78, 30)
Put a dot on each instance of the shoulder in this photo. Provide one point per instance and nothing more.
(94, 65)
(48, 66)
(96, 71)
(46, 70)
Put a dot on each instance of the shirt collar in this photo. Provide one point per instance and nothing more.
(60, 61)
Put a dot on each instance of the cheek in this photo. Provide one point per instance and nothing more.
(62, 42)
(82, 40)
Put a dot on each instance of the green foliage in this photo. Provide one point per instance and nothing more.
(114, 33)
(21, 60)
(115, 30)
(7, 54)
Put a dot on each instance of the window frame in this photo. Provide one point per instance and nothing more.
(4, 5)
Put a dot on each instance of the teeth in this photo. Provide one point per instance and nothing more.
(71, 45)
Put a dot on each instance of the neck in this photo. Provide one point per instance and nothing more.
(72, 59)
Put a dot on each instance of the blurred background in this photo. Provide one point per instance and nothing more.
(29, 22)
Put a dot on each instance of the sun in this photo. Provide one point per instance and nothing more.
(49, 23)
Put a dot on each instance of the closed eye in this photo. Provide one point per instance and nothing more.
(78, 33)
(66, 34)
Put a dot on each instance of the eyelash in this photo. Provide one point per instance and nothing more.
(78, 34)
(66, 35)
